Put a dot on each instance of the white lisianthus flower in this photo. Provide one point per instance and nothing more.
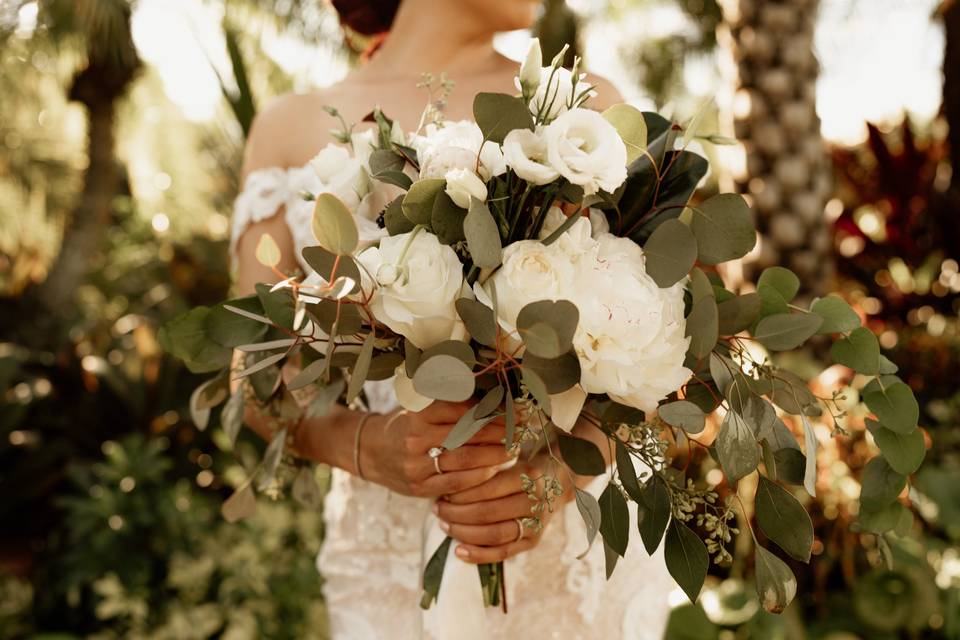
(456, 145)
(341, 174)
(418, 280)
(555, 90)
(529, 77)
(462, 184)
(587, 150)
(530, 271)
(630, 339)
(525, 152)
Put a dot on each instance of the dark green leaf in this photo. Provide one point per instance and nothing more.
(447, 219)
(737, 314)
(557, 374)
(433, 573)
(904, 451)
(614, 519)
(359, 373)
(465, 428)
(791, 465)
(683, 414)
(479, 320)
(686, 558)
(895, 406)
(537, 388)
(737, 447)
(322, 262)
(784, 520)
(185, 337)
(653, 513)
(837, 315)
(582, 456)
(231, 329)
(626, 471)
(670, 251)
(498, 114)
(417, 205)
(589, 510)
(334, 226)
(702, 327)
(394, 219)
(547, 327)
(278, 305)
(786, 282)
(880, 484)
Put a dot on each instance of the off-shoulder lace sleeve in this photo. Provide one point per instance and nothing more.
(263, 193)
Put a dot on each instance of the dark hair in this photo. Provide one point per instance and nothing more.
(367, 17)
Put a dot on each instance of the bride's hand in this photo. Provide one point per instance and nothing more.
(394, 452)
(484, 519)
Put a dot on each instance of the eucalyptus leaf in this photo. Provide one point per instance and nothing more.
(724, 228)
(278, 305)
(444, 377)
(653, 513)
(447, 219)
(904, 451)
(185, 337)
(204, 397)
(670, 252)
(334, 226)
(785, 331)
(582, 456)
(231, 416)
(721, 370)
(261, 365)
(230, 329)
(737, 447)
(737, 314)
(810, 451)
(895, 406)
(417, 205)
(547, 327)
(614, 519)
(589, 510)
(703, 327)
(394, 219)
(786, 282)
(837, 315)
(557, 374)
(537, 388)
(483, 235)
(465, 428)
(479, 320)
(880, 484)
(683, 414)
(776, 584)
(498, 114)
(626, 471)
(784, 520)
(686, 557)
(791, 465)
(880, 519)
(630, 124)
(359, 373)
(860, 351)
(240, 505)
(433, 573)
(323, 262)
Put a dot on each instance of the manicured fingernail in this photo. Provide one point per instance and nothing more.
(435, 508)
(445, 526)
(462, 552)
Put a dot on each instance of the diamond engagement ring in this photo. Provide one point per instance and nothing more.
(434, 453)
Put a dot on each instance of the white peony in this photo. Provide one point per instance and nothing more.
(587, 150)
(341, 174)
(576, 240)
(456, 145)
(525, 152)
(630, 339)
(555, 92)
(463, 184)
(418, 281)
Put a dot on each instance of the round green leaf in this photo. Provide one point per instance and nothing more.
(860, 351)
(904, 451)
(683, 414)
(557, 374)
(417, 205)
(630, 124)
(447, 219)
(498, 114)
(724, 228)
(783, 280)
(479, 320)
(776, 584)
(880, 484)
(784, 520)
(444, 377)
(837, 315)
(334, 226)
(547, 327)
(895, 406)
(785, 331)
(736, 447)
(737, 314)
(670, 252)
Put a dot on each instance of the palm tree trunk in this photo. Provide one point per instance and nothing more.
(784, 168)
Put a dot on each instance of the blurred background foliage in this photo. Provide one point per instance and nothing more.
(114, 205)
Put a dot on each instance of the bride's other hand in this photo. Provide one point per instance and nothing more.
(394, 452)
(485, 520)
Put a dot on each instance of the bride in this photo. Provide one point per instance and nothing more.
(379, 499)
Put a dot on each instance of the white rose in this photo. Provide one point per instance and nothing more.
(463, 184)
(586, 150)
(341, 174)
(555, 92)
(630, 339)
(456, 145)
(530, 271)
(525, 152)
(417, 286)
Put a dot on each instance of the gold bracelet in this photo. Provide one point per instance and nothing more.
(356, 444)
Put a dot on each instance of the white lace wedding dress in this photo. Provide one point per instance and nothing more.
(373, 546)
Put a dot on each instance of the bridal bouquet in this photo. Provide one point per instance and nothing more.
(546, 260)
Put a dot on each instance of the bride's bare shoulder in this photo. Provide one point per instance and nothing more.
(607, 93)
(290, 129)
